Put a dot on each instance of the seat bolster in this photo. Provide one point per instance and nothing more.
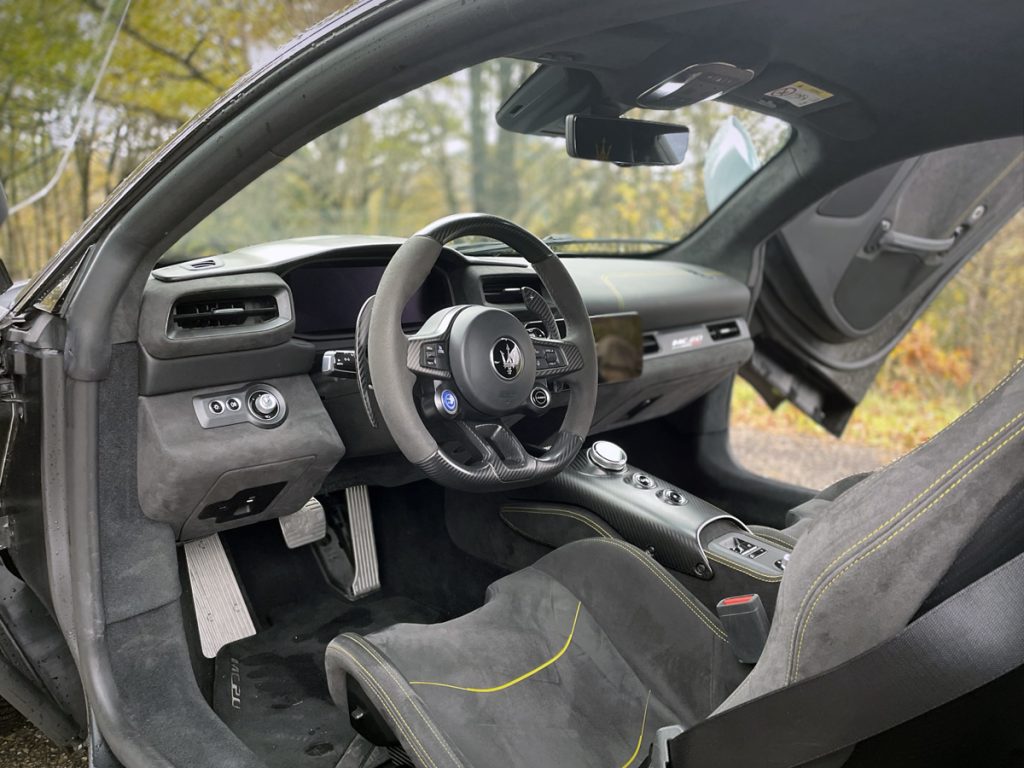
(395, 700)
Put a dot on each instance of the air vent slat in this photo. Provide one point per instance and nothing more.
(508, 289)
(197, 314)
(722, 331)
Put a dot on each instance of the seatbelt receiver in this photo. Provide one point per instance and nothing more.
(746, 623)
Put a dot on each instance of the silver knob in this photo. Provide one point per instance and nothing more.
(265, 404)
(607, 455)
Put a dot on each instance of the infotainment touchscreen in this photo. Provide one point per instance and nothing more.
(620, 346)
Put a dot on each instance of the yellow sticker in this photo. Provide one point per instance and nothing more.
(800, 94)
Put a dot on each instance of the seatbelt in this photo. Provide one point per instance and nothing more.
(970, 639)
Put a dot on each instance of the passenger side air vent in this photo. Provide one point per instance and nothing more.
(194, 314)
(651, 345)
(723, 331)
(508, 289)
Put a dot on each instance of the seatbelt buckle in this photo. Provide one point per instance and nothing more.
(746, 623)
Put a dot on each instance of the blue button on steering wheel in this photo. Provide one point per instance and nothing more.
(449, 402)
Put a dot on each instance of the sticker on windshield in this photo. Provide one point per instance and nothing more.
(800, 94)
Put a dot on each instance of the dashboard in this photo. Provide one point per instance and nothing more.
(246, 408)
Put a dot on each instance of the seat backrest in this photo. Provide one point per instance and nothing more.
(866, 566)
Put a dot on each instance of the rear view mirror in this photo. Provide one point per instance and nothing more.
(625, 142)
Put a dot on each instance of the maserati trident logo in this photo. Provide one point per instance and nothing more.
(507, 359)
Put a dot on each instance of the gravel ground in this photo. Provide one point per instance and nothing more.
(801, 459)
(814, 462)
(25, 747)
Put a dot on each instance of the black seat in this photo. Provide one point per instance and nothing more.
(580, 658)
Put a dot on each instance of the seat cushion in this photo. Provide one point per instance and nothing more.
(574, 661)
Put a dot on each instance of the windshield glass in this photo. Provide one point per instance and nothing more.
(438, 150)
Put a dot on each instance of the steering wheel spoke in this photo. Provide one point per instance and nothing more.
(556, 358)
(497, 445)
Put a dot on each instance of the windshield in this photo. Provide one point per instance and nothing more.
(438, 150)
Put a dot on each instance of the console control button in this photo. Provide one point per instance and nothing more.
(234, 404)
(672, 496)
(640, 480)
(216, 406)
(607, 455)
(757, 553)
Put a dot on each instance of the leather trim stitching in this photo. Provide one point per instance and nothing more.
(951, 470)
(365, 644)
(392, 708)
(522, 677)
(666, 580)
(560, 512)
(804, 624)
(743, 569)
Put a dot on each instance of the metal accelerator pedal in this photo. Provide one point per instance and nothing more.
(366, 575)
(221, 613)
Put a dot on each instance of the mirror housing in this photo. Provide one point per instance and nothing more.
(730, 161)
(625, 142)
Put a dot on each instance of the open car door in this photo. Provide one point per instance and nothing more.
(845, 280)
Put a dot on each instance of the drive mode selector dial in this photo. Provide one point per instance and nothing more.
(607, 455)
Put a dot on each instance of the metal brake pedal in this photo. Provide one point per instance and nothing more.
(221, 613)
(307, 525)
(366, 574)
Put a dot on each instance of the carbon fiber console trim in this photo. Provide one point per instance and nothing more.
(640, 515)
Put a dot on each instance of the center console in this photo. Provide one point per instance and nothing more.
(683, 532)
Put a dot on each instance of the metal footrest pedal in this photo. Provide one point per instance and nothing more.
(307, 525)
(221, 613)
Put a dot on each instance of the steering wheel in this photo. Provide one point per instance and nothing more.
(480, 364)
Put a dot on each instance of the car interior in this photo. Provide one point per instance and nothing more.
(465, 497)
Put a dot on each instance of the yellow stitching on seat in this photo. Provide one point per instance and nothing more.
(392, 708)
(643, 727)
(1017, 367)
(677, 591)
(365, 645)
(561, 512)
(893, 535)
(743, 569)
(891, 520)
(510, 683)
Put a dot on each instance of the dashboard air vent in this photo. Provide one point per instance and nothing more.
(651, 345)
(508, 289)
(723, 331)
(195, 314)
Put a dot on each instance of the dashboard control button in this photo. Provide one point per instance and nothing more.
(234, 404)
(540, 397)
(607, 455)
(263, 404)
(672, 496)
(216, 406)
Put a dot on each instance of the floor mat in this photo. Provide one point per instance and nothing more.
(271, 690)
